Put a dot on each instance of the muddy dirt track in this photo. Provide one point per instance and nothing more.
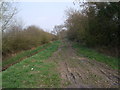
(80, 72)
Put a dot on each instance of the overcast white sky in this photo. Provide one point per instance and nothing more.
(44, 14)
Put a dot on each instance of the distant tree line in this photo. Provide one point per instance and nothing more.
(96, 25)
(17, 39)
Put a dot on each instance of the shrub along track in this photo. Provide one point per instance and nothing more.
(80, 72)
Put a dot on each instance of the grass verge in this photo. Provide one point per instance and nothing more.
(94, 55)
(15, 59)
(33, 72)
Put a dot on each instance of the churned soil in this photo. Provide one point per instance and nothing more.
(80, 72)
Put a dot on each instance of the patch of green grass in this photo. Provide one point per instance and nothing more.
(23, 55)
(94, 55)
(0, 79)
(33, 72)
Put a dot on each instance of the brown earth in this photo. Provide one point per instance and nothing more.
(80, 72)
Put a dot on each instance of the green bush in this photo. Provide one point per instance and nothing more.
(96, 25)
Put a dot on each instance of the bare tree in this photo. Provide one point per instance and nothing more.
(7, 12)
(58, 30)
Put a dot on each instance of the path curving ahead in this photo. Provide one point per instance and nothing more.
(80, 72)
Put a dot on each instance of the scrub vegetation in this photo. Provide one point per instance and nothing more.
(81, 53)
